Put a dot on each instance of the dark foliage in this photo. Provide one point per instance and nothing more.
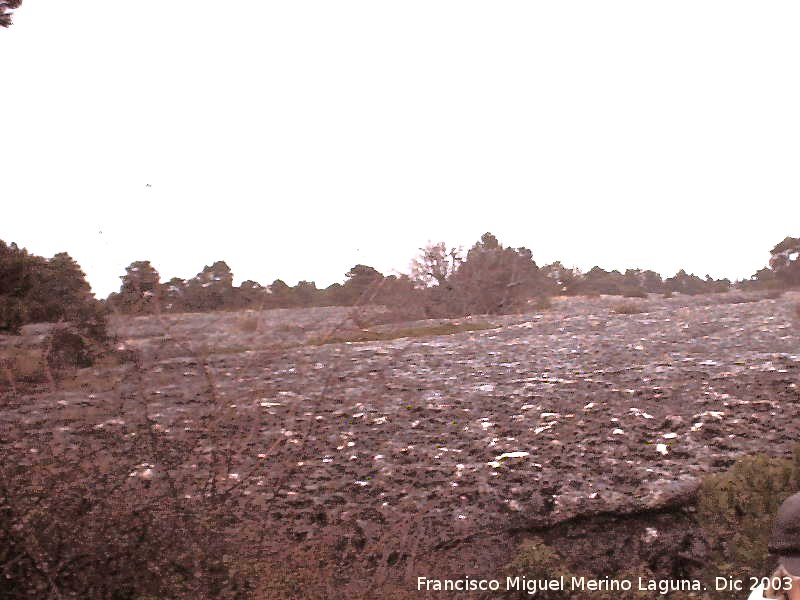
(35, 289)
(6, 6)
(140, 291)
(68, 349)
(785, 261)
(443, 282)
(691, 284)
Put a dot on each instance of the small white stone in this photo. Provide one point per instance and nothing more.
(651, 533)
(517, 454)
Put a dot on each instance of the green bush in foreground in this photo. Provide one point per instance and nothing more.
(735, 510)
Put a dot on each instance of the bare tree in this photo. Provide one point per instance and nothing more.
(434, 265)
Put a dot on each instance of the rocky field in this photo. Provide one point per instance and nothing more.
(434, 453)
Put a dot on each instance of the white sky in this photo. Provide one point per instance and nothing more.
(295, 139)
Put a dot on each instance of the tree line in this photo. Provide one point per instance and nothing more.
(443, 282)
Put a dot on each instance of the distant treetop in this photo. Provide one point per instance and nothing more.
(6, 6)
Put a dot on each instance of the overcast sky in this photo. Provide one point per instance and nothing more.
(295, 139)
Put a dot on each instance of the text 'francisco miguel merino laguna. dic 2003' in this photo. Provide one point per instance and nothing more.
(533, 586)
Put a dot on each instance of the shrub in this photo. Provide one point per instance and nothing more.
(490, 279)
(247, 323)
(68, 350)
(536, 560)
(306, 574)
(784, 261)
(21, 366)
(11, 314)
(496, 280)
(774, 293)
(628, 308)
(634, 292)
(736, 509)
(35, 289)
(66, 533)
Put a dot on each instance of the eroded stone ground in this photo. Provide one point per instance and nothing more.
(573, 410)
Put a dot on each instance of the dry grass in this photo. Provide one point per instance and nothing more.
(774, 294)
(247, 323)
(542, 303)
(103, 376)
(22, 366)
(740, 299)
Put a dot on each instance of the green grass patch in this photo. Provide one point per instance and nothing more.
(372, 335)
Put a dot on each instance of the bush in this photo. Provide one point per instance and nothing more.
(634, 292)
(68, 350)
(11, 315)
(536, 560)
(35, 289)
(21, 366)
(628, 308)
(491, 279)
(64, 535)
(82, 517)
(737, 508)
(247, 323)
(774, 293)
